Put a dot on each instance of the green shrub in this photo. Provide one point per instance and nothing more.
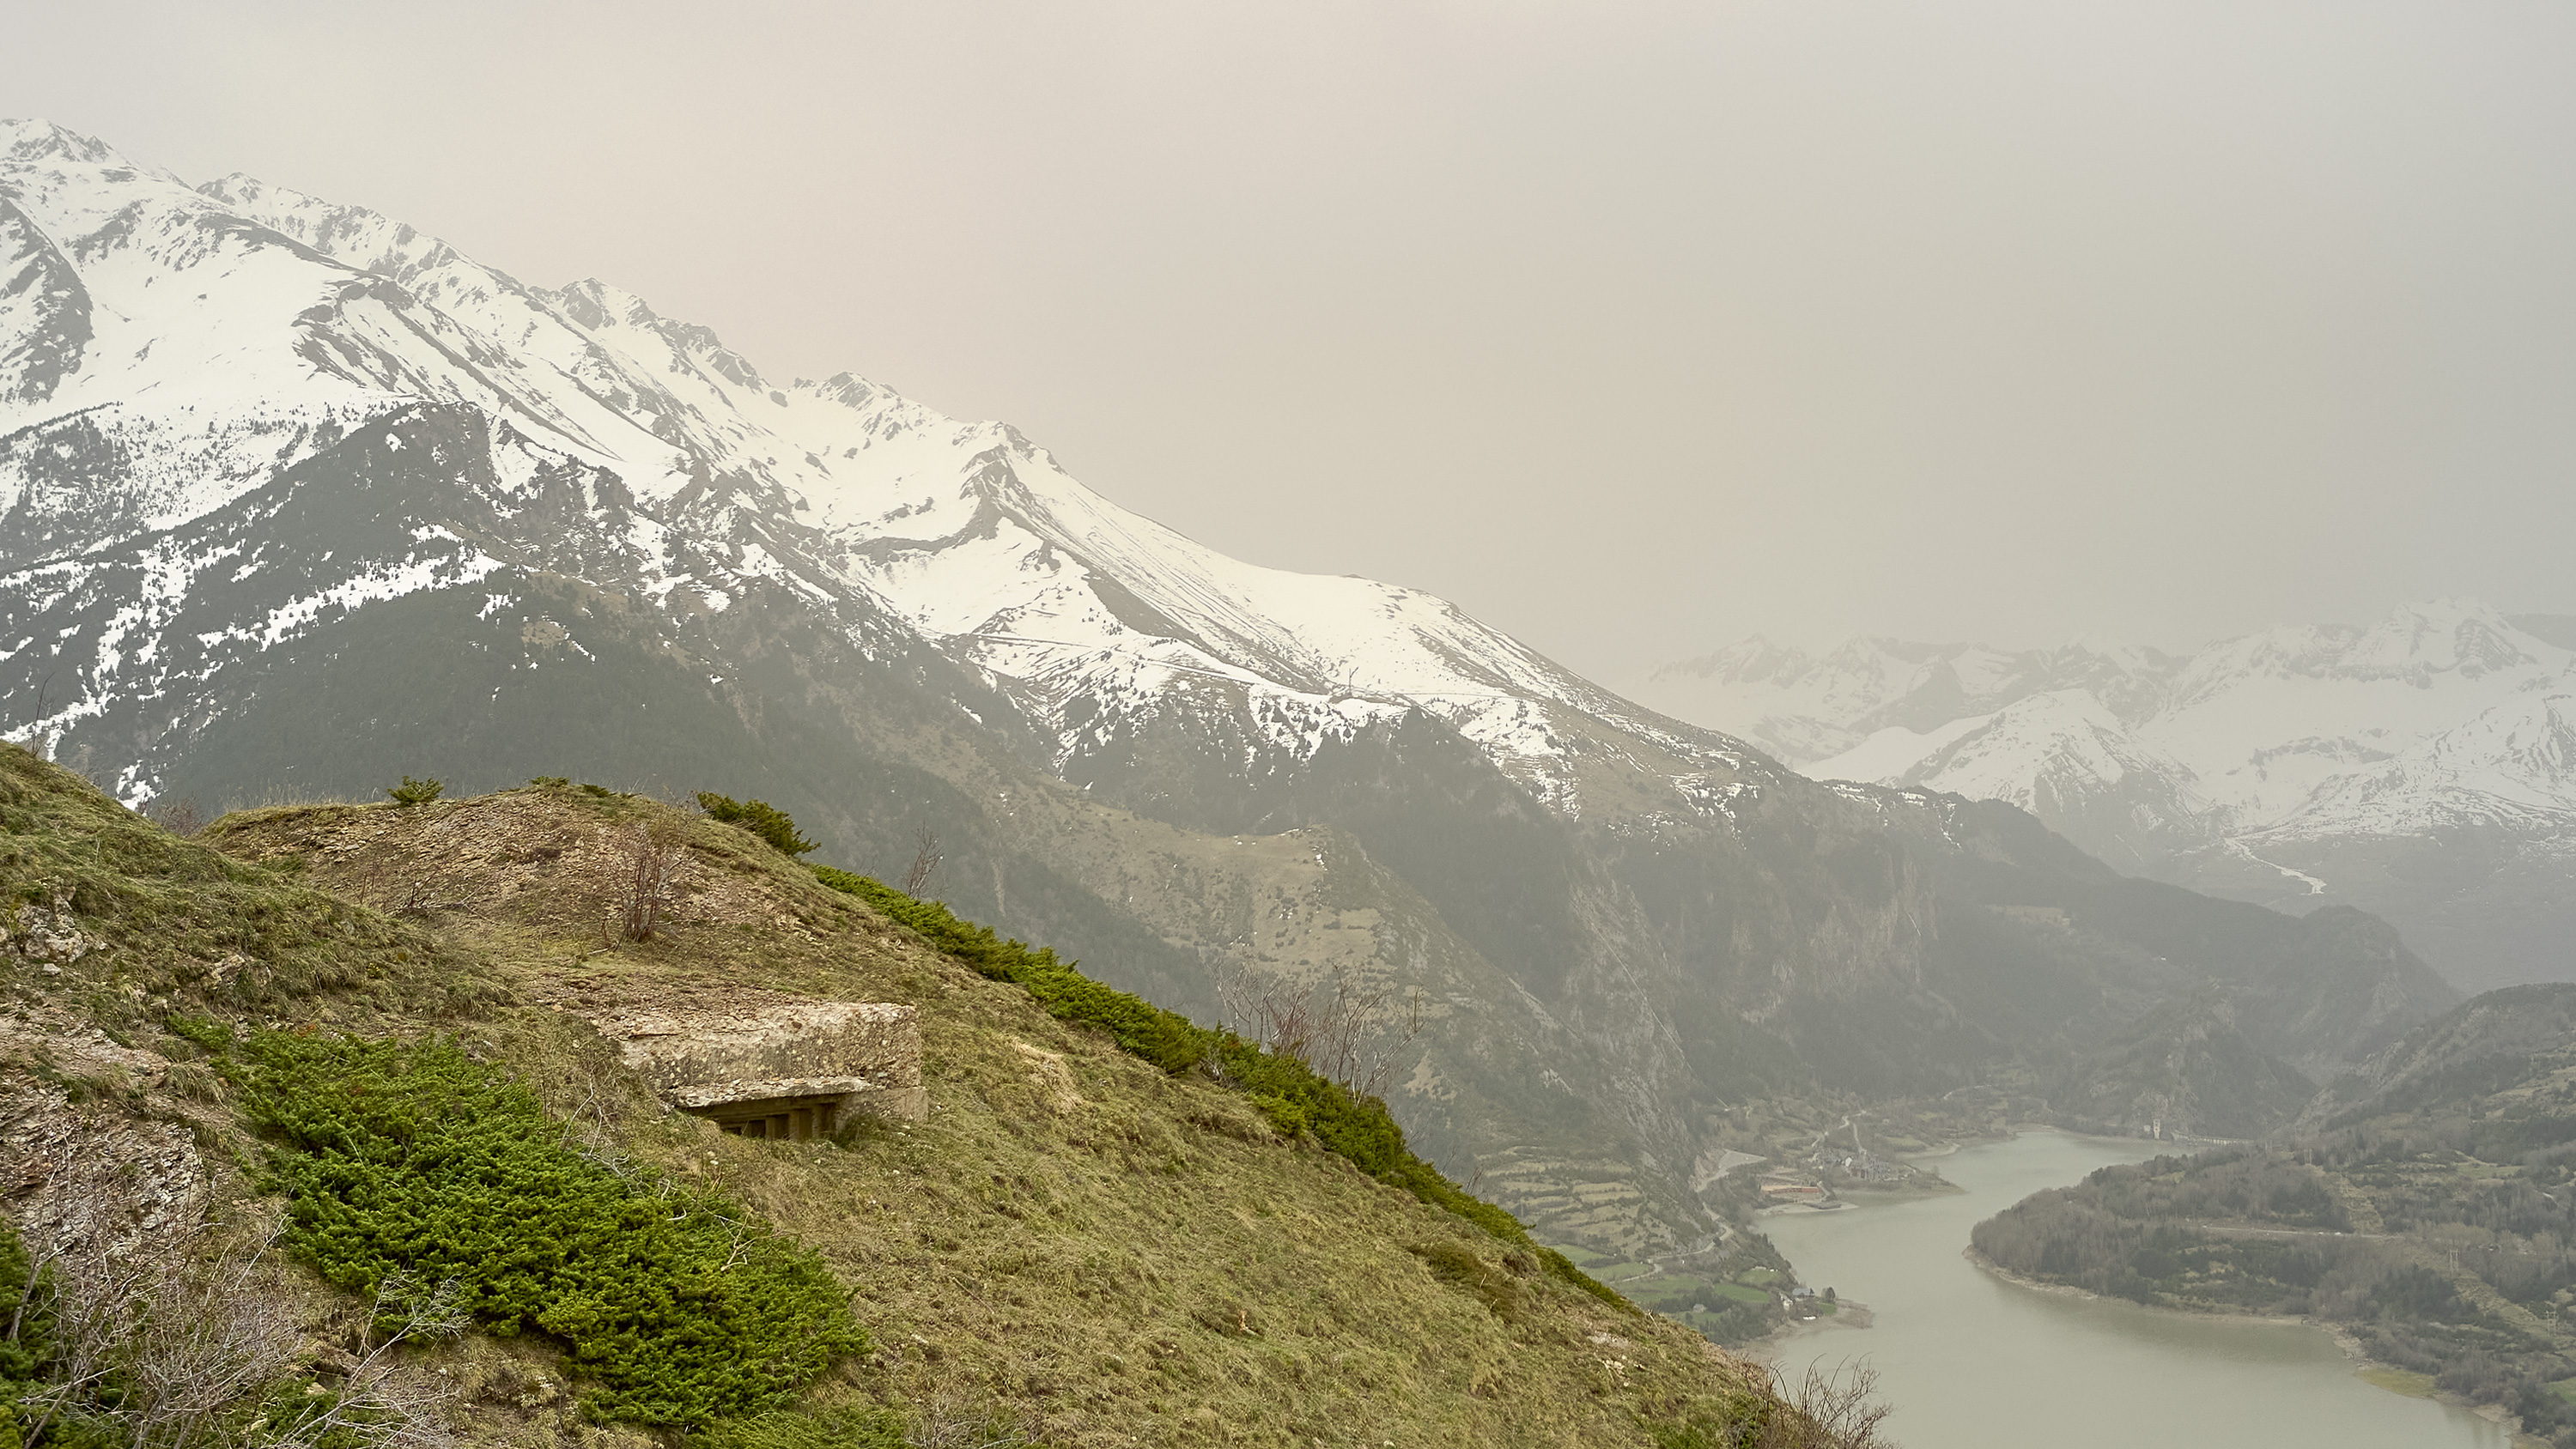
(415, 792)
(760, 818)
(27, 1349)
(421, 1161)
(1293, 1096)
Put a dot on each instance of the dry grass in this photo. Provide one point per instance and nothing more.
(287, 796)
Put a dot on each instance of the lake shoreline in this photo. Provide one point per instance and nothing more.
(2344, 1339)
(2069, 1290)
(1949, 1340)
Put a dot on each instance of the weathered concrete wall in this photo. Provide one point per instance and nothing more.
(821, 1058)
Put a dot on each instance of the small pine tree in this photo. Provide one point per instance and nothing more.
(760, 818)
(415, 792)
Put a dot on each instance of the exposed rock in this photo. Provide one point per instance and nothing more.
(49, 932)
(776, 1066)
(78, 1182)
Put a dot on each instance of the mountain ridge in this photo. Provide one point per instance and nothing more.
(2294, 766)
(340, 523)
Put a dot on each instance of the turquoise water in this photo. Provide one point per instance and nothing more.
(1973, 1362)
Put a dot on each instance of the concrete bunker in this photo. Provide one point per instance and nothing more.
(787, 1069)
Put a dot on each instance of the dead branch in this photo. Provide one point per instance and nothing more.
(1836, 1410)
(925, 864)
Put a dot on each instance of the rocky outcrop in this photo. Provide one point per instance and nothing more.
(45, 933)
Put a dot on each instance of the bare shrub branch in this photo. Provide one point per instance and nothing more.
(180, 817)
(591, 1103)
(1351, 1032)
(1836, 1410)
(925, 864)
(175, 1347)
(650, 863)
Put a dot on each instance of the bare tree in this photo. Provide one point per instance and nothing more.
(650, 864)
(925, 864)
(1352, 1032)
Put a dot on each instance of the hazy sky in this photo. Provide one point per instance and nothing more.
(1633, 328)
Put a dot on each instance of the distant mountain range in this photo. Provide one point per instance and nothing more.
(2423, 768)
(295, 499)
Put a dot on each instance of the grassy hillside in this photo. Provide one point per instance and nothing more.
(1080, 1246)
(2426, 1206)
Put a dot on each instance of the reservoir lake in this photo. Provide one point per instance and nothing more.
(1971, 1361)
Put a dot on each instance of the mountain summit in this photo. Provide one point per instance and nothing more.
(967, 532)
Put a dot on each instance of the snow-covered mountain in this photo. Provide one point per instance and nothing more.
(206, 338)
(2296, 766)
(295, 499)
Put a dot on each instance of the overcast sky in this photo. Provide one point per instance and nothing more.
(1632, 328)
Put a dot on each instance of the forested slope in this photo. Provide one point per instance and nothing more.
(2426, 1205)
